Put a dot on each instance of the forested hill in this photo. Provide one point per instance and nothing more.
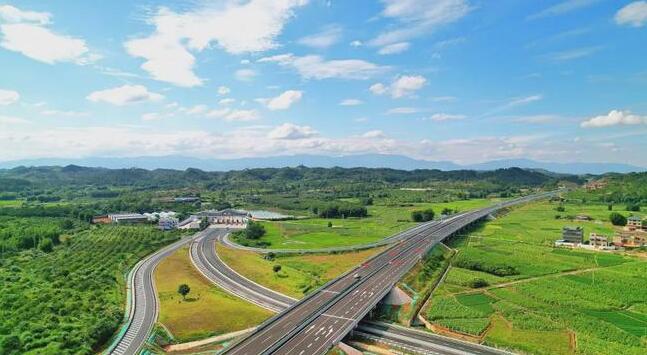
(22, 178)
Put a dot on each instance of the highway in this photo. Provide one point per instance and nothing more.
(320, 320)
(206, 260)
(143, 307)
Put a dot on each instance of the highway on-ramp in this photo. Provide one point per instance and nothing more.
(143, 304)
(319, 321)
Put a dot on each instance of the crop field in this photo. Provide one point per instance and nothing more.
(71, 299)
(541, 299)
(383, 221)
(298, 275)
(207, 310)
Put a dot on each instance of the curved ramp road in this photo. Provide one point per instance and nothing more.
(320, 320)
(205, 259)
(213, 268)
(143, 307)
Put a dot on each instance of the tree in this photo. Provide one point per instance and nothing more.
(478, 283)
(329, 224)
(422, 216)
(617, 219)
(447, 211)
(183, 290)
(46, 245)
(276, 268)
(254, 230)
(610, 207)
(633, 207)
(560, 209)
(204, 223)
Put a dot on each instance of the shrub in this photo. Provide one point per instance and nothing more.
(422, 216)
(560, 209)
(494, 269)
(617, 219)
(276, 268)
(478, 283)
(633, 207)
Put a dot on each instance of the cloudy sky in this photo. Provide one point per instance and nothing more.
(460, 80)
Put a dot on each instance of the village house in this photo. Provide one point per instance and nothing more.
(627, 239)
(634, 223)
(573, 235)
(595, 185)
(598, 240)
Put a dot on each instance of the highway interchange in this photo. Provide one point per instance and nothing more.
(320, 320)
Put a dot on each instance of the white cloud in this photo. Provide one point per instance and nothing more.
(123, 95)
(402, 111)
(12, 14)
(40, 43)
(283, 101)
(418, 18)
(28, 33)
(374, 134)
(356, 43)
(446, 117)
(351, 102)
(575, 53)
(400, 87)
(234, 26)
(537, 119)
(64, 113)
(227, 101)
(197, 110)
(233, 115)
(10, 120)
(153, 116)
(223, 90)
(8, 97)
(562, 8)
(315, 67)
(245, 74)
(324, 39)
(378, 89)
(634, 14)
(290, 131)
(443, 99)
(519, 101)
(614, 118)
(394, 48)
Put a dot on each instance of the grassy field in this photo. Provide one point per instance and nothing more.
(207, 309)
(299, 274)
(383, 221)
(555, 299)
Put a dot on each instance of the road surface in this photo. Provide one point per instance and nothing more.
(213, 268)
(320, 320)
(143, 307)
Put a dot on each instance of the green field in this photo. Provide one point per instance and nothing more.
(207, 309)
(383, 221)
(550, 296)
(299, 274)
(70, 300)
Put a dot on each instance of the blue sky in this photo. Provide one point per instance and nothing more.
(460, 80)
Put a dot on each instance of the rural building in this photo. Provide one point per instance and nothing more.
(167, 223)
(186, 199)
(227, 216)
(634, 223)
(102, 219)
(128, 218)
(630, 239)
(572, 235)
(193, 222)
(595, 185)
(597, 240)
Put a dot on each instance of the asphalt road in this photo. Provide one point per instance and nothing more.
(420, 342)
(143, 303)
(319, 321)
(207, 261)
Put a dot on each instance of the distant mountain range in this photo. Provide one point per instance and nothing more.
(349, 161)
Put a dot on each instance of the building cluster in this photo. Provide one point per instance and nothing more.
(595, 185)
(165, 220)
(231, 217)
(633, 235)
